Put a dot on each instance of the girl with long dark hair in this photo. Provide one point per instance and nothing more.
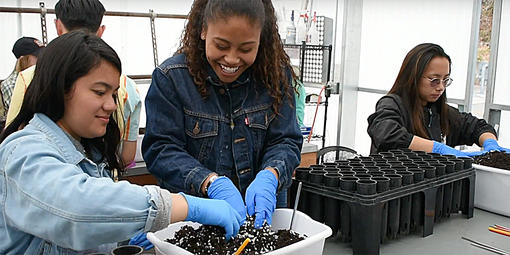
(57, 156)
(414, 114)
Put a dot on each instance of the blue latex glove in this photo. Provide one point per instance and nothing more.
(141, 240)
(445, 149)
(223, 189)
(492, 145)
(261, 197)
(213, 212)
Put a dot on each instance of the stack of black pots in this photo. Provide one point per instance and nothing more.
(406, 189)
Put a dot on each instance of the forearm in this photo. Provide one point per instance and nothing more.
(128, 151)
(421, 144)
(179, 208)
(485, 136)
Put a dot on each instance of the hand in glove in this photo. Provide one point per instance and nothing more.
(141, 240)
(223, 189)
(261, 197)
(445, 149)
(492, 145)
(213, 212)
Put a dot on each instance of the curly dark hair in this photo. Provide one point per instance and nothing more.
(272, 65)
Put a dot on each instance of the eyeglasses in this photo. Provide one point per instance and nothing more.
(436, 81)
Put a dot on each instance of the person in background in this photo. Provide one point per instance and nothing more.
(221, 121)
(87, 15)
(58, 196)
(414, 114)
(300, 98)
(26, 50)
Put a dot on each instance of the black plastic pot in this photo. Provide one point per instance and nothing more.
(421, 163)
(346, 184)
(372, 168)
(399, 168)
(447, 199)
(347, 172)
(388, 170)
(317, 167)
(301, 174)
(359, 170)
(386, 154)
(410, 165)
(430, 172)
(342, 162)
(382, 165)
(449, 166)
(329, 164)
(368, 163)
(407, 177)
(440, 168)
(394, 163)
(331, 169)
(417, 201)
(405, 204)
(331, 205)
(344, 167)
(377, 173)
(468, 162)
(426, 156)
(376, 156)
(363, 176)
(382, 185)
(352, 160)
(367, 158)
(316, 201)
(366, 187)
(394, 207)
(459, 164)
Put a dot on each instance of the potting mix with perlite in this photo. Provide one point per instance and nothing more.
(210, 240)
(497, 159)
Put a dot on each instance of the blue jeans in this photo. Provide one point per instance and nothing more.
(281, 199)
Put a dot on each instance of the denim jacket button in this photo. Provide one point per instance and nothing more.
(222, 91)
(196, 129)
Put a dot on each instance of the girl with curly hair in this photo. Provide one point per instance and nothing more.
(220, 115)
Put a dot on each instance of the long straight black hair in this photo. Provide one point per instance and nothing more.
(65, 60)
(406, 85)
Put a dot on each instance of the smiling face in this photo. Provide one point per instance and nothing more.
(91, 102)
(438, 67)
(231, 46)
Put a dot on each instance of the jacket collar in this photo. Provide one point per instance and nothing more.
(58, 136)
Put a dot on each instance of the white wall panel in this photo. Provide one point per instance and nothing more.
(393, 27)
(502, 84)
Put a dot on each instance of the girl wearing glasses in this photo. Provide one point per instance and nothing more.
(414, 113)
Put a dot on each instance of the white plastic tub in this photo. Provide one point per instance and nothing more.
(314, 243)
(492, 188)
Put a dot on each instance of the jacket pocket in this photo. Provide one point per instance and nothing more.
(201, 129)
(258, 122)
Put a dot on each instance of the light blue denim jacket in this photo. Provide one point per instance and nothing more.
(54, 200)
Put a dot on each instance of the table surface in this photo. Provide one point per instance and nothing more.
(446, 238)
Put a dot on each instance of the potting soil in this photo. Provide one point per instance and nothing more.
(495, 159)
(211, 239)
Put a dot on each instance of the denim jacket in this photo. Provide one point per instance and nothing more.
(232, 132)
(54, 200)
